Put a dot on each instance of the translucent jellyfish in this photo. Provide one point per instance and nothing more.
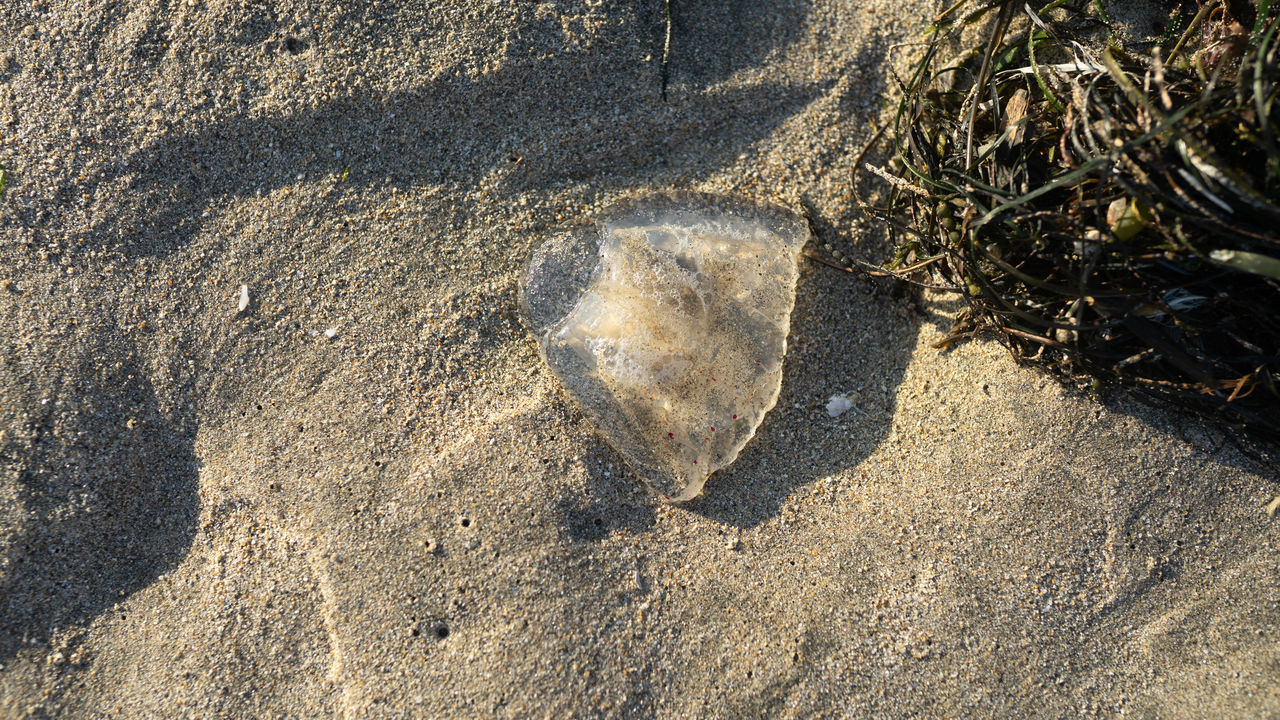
(667, 324)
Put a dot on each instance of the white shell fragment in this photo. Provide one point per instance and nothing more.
(667, 324)
(244, 299)
(838, 405)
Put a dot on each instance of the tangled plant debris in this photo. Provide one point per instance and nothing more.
(1107, 209)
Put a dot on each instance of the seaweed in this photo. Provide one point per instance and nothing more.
(1108, 211)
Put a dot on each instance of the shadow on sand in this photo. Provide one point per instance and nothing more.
(106, 492)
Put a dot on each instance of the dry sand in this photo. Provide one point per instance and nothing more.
(206, 513)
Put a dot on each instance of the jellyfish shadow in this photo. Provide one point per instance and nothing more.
(799, 442)
(106, 493)
(607, 507)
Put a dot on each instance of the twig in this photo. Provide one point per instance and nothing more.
(1029, 336)
(666, 49)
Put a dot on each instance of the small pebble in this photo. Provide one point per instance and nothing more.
(244, 298)
(331, 333)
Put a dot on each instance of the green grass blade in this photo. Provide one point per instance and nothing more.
(1249, 262)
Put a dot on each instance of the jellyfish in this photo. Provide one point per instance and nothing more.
(666, 323)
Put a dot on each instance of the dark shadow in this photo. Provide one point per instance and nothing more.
(106, 495)
(613, 501)
(711, 41)
(1213, 436)
(459, 128)
(606, 508)
(799, 442)
(585, 521)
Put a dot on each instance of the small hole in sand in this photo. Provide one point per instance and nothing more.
(442, 632)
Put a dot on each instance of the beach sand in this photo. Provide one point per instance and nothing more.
(365, 496)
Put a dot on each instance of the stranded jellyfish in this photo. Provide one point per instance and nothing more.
(667, 324)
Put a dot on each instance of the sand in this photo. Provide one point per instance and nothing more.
(364, 496)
